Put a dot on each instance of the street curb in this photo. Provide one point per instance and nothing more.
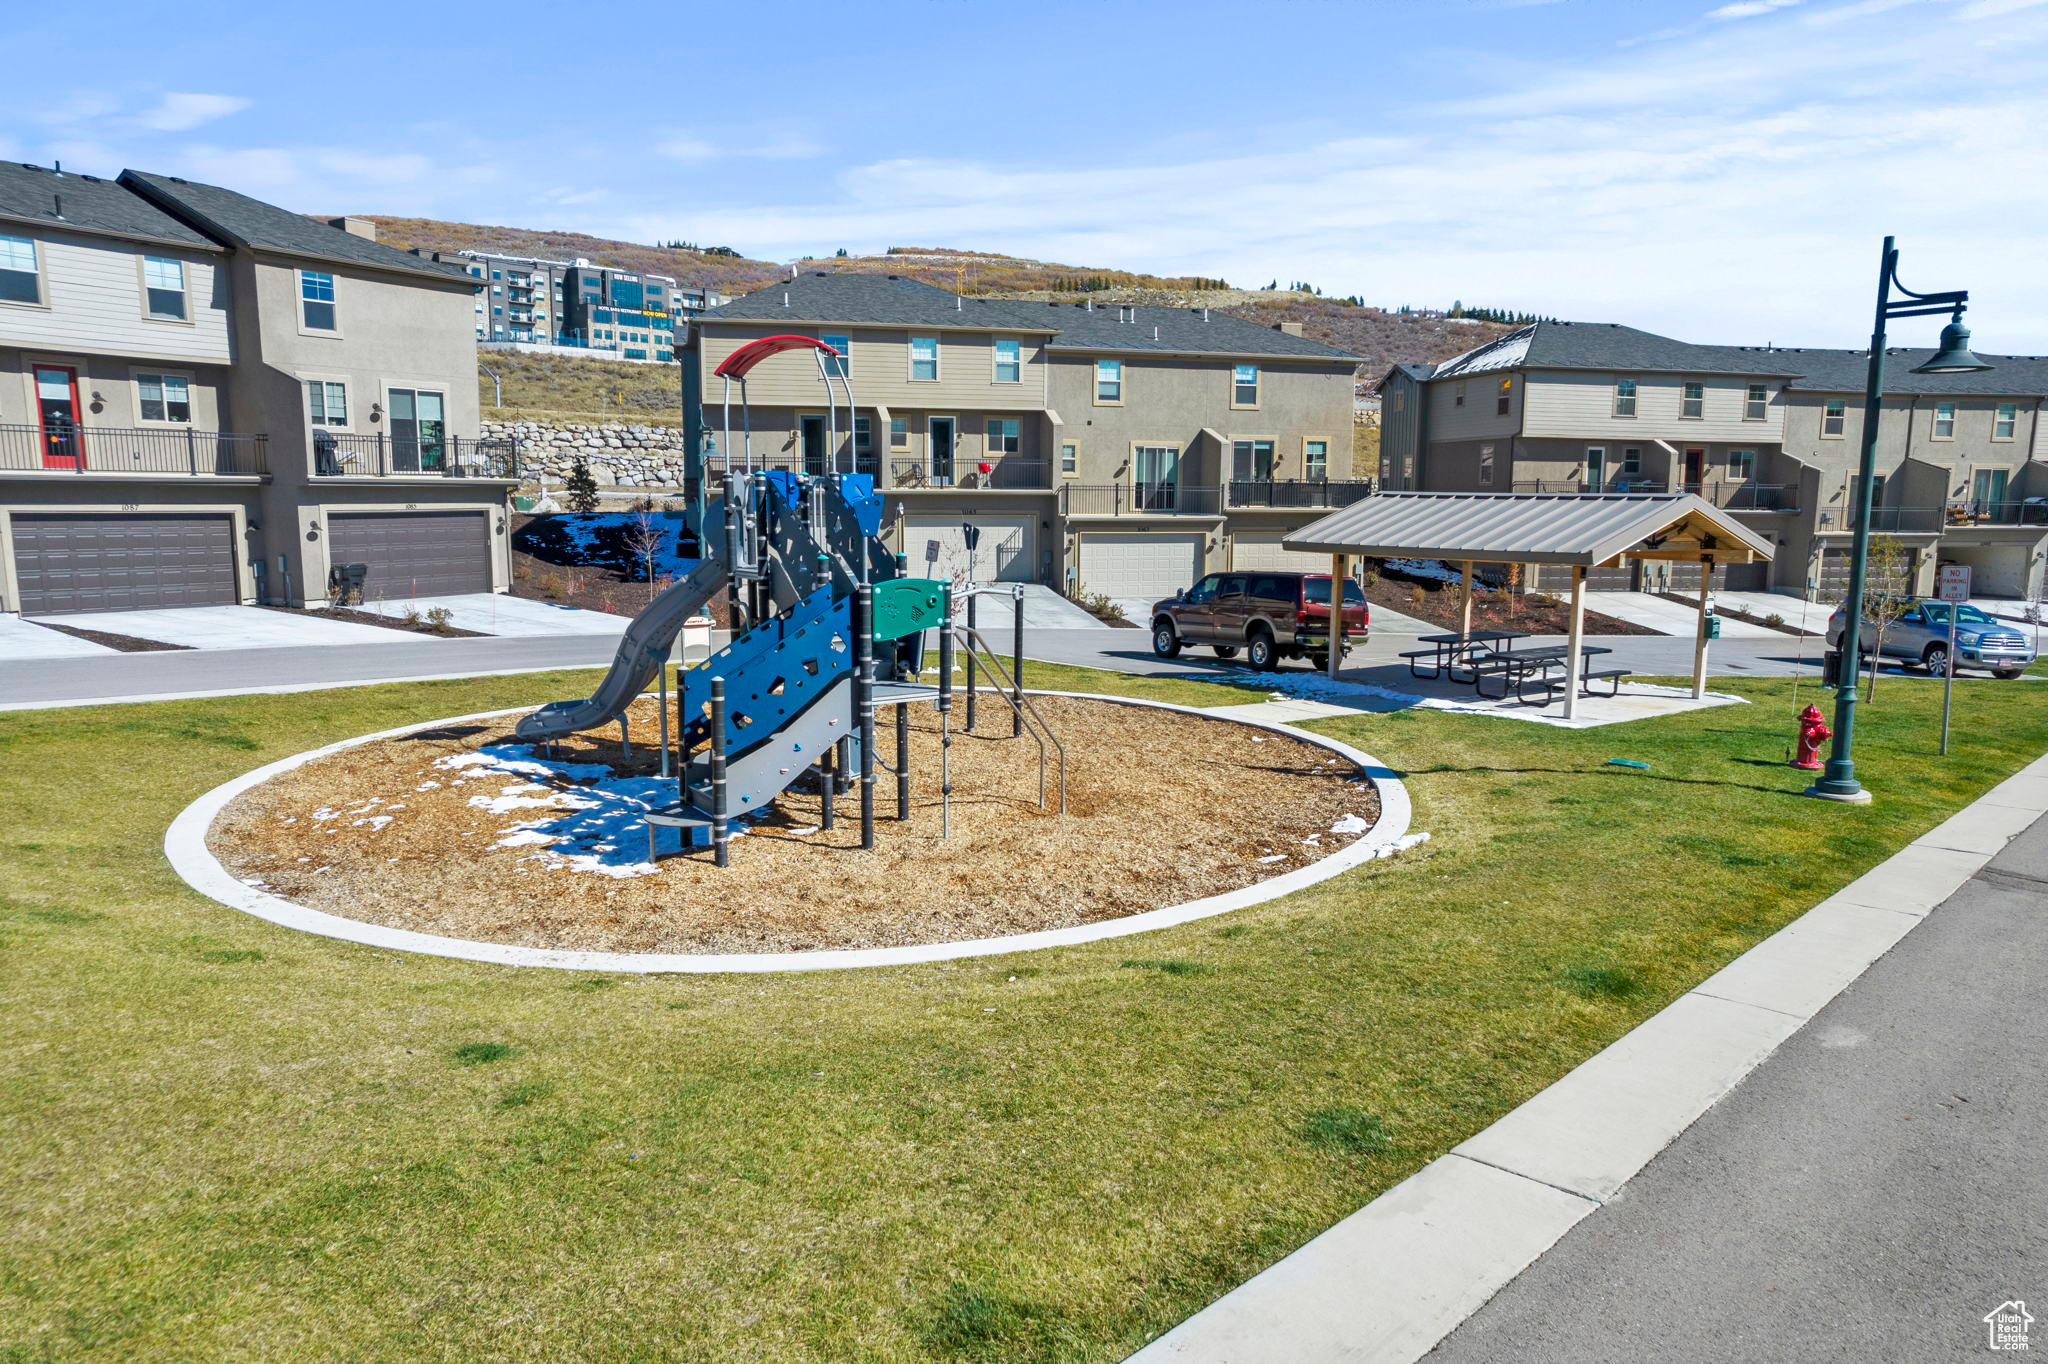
(1389, 1282)
(185, 847)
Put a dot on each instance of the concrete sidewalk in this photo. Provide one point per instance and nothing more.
(1803, 1218)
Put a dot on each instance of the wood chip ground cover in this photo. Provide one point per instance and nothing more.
(464, 832)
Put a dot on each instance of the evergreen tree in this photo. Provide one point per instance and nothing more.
(580, 488)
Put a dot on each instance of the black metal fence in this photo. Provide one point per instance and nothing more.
(1003, 472)
(341, 455)
(1297, 492)
(125, 450)
(1893, 520)
(1140, 499)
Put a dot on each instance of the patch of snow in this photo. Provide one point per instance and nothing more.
(1350, 824)
(1437, 571)
(1401, 844)
(427, 786)
(374, 821)
(1275, 857)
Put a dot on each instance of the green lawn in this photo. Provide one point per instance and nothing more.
(223, 1140)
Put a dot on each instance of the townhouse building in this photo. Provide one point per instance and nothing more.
(210, 400)
(1773, 434)
(1120, 450)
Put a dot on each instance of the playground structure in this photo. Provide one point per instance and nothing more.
(828, 629)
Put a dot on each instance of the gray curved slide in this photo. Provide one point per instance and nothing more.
(647, 642)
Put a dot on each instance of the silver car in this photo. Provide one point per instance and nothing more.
(1921, 636)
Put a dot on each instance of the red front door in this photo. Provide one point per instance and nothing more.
(57, 406)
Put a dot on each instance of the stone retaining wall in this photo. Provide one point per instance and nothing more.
(620, 455)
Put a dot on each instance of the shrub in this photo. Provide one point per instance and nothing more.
(440, 620)
(579, 490)
(1775, 621)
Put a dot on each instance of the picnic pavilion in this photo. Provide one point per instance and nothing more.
(1577, 530)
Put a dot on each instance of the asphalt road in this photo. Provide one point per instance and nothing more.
(1868, 1193)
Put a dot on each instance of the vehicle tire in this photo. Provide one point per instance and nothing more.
(1165, 642)
(1225, 650)
(1935, 660)
(2006, 674)
(1261, 652)
(1319, 662)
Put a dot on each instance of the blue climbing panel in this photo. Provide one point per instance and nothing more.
(772, 672)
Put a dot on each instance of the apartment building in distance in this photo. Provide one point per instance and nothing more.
(1773, 434)
(1117, 450)
(210, 400)
(533, 304)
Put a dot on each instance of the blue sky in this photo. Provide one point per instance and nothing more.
(1720, 169)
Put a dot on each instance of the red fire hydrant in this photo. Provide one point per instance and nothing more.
(1813, 732)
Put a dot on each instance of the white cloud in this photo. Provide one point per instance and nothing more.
(1749, 9)
(177, 113)
(686, 148)
(1722, 188)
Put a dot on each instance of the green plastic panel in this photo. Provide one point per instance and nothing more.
(906, 605)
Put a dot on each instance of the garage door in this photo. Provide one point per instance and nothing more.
(123, 563)
(1834, 573)
(1261, 549)
(1001, 555)
(1995, 570)
(1139, 565)
(414, 554)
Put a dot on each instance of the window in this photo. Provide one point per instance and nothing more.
(1486, 466)
(1756, 404)
(1009, 362)
(1109, 381)
(1003, 437)
(1692, 400)
(1315, 459)
(1624, 397)
(2005, 421)
(20, 282)
(924, 358)
(1741, 464)
(316, 301)
(863, 437)
(1251, 461)
(1944, 421)
(1632, 461)
(841, 365)
(1070, 458)
(1833, 415)
(899, 433)
(1506, 398)
(1458, 396)
(164, 287)
(163, 397)
(1988, 490)
(1244, 385)
(498, 274)
(327, 402)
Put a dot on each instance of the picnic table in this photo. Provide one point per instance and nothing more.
(1518, 670)
(1449, 652)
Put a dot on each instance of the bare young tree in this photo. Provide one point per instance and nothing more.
(646, 537)
(1887, 595)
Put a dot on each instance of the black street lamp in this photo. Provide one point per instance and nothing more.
(1838, 780)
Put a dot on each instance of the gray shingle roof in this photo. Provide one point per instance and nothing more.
(890, 300)
(1525, 528)
(245, 222)
(103, 207)
(1612, 347)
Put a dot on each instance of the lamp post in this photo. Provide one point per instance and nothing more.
(1838, 779)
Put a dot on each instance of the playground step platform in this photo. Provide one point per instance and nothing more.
(680, 817)
(896, 693)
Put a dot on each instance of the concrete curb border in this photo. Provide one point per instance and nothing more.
(1390, 1281)
(185, 846)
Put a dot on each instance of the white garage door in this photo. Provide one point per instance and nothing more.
(1139, 565)
(1001, 555)
(1995, 570)
(1261, 549)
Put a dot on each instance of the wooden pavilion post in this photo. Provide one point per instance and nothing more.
(1465, 620)
(1574, 660)
(1699, 653)
(1339, 566)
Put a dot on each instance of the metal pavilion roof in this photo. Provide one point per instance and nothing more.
(1533, 528)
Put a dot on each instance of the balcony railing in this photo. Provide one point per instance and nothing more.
(1738, 494)
(1140, 499)
(2032, 511)
(122, 450)
(340, 455)
(1893, 520)
(1297, 492)
(1620, 483)
(1005, 472)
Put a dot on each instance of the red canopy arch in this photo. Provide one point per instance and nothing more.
(736, 365)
